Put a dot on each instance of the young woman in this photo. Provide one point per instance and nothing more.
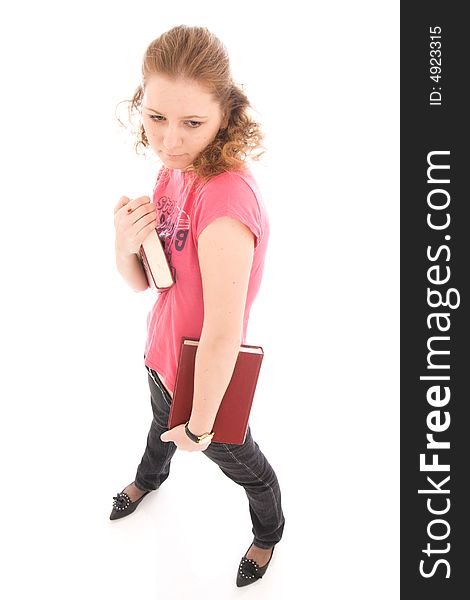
(210, 216)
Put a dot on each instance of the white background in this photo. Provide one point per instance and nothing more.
(323, 79)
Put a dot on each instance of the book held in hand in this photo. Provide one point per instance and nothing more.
(155, 263)
(231, 423)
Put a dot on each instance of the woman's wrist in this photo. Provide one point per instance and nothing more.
(199, 427)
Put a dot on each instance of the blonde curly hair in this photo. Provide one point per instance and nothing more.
(196, 54)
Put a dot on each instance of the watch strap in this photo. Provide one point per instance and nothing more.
(199, 439)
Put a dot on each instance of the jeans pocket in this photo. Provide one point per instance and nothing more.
(156, 380)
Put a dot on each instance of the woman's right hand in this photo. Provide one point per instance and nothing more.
(133, 221)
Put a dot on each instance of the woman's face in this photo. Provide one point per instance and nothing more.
(180, 119)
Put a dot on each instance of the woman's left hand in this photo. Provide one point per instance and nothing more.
(182, 441)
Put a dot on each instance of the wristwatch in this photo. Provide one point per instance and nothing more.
(199, 439)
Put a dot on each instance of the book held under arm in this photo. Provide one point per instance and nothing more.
(231, 422)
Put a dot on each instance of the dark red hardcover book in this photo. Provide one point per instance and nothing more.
(152, 254)
(231, 422)
(155, 265)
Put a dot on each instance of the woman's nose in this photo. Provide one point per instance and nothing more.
(172, 139)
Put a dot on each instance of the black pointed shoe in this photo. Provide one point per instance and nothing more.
(122, 505)
(249, 570)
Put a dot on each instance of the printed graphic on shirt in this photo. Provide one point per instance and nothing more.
(173, 227)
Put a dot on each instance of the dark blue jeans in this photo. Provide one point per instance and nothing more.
(244, 464)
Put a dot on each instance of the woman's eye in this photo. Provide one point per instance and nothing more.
(193, 124)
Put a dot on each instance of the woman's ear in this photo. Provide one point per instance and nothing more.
(225, 121)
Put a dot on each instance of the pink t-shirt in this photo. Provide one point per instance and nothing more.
(183, 211)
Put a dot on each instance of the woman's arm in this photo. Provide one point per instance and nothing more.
(132, 270)
(225, 251)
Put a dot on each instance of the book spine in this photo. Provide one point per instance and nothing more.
(178, 375)
(148, 271)
(252, 396)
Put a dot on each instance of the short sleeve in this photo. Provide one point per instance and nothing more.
(227, 195)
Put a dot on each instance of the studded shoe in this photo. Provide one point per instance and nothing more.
(249, 570)
(123, 506)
